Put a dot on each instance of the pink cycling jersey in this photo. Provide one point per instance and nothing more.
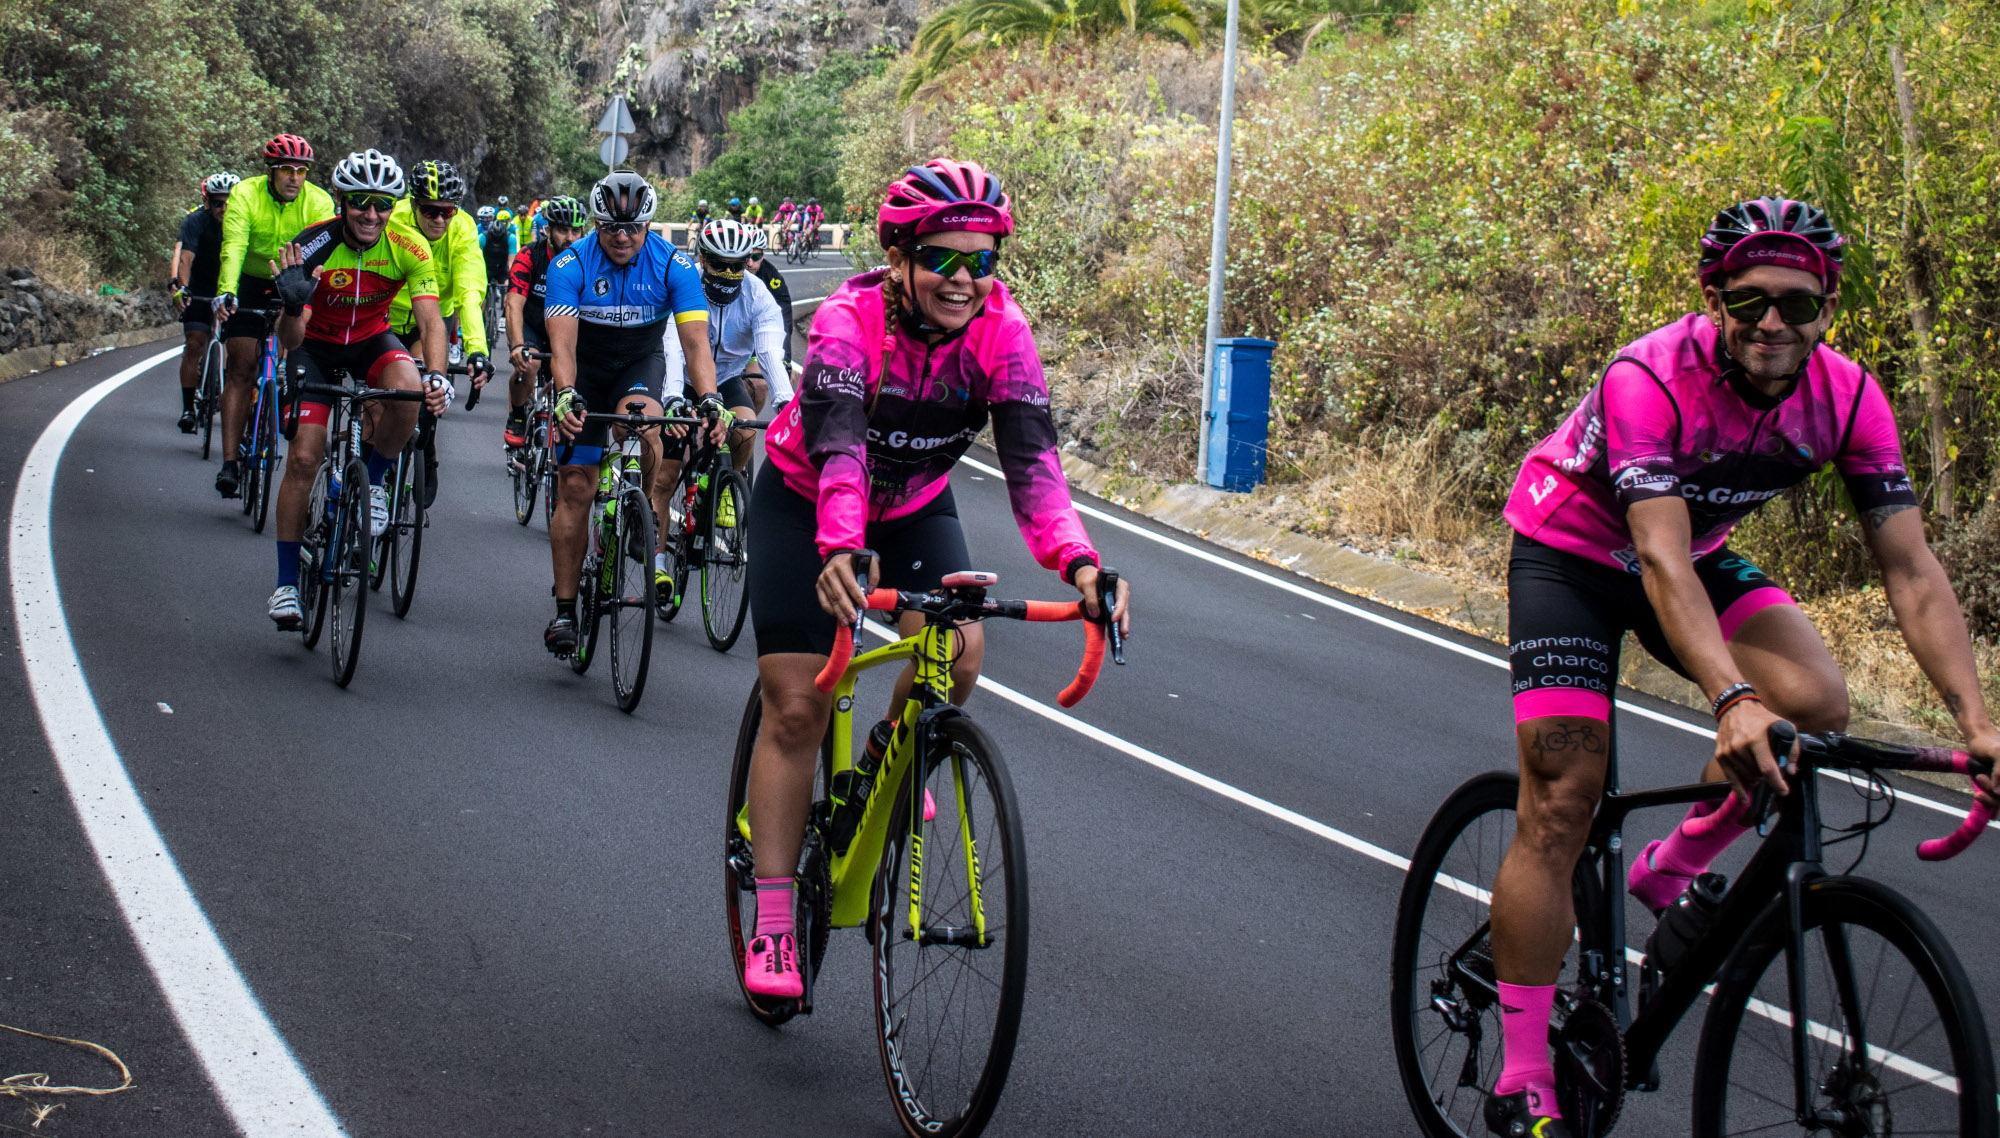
(871, 442)
(1674, 415)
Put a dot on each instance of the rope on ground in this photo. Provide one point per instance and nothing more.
(29, 1085)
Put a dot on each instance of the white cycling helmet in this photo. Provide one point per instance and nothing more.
(753, 201)
(219, 183)
(623, 196)
(369, 172)
(758, 239)
(728, 239)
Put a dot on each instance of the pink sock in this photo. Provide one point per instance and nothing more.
(1665, 867)
(1524, 1025)
(774, 906)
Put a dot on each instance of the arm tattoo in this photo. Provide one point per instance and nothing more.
(1881, 514)
(1954, 702)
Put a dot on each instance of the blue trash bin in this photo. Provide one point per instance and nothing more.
(1239, 413)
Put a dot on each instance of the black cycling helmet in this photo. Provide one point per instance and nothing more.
(623, 196)
(435, 181)
(565, 210)
(1775, 231)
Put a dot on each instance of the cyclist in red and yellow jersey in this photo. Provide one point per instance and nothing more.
(337, 281)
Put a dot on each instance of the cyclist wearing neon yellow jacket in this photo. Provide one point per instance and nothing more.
(432, 209)
(263, 214)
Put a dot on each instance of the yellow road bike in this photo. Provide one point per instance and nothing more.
(925, 854)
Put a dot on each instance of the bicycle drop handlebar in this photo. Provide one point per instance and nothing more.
(362, 394)
(964, 603)
(1835, 751)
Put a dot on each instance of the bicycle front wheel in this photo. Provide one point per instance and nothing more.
(312, 558)
(263, 461)
(724, 597)
(525, 466)
(1895, 1043)
(208, 396)
(630, 601)
(348, 581)
(1445, 1022)
(406, 528)
(950, 931)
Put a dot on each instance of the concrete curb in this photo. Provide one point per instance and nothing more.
(27, 361)
(1211, 514)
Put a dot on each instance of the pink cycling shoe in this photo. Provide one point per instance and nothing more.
(930, 805)
(771, 967)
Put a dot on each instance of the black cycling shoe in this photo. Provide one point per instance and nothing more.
(560, 637)
(1511, 1117)
(186, 423)
(227, 480)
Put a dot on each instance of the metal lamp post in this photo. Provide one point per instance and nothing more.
(1219, 239)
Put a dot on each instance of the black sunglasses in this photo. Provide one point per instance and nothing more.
(1749, 305)
(944, 262)
(438, 212)
(362, 203)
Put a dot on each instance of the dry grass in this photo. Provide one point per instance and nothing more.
(58, 258)
(1883, 680)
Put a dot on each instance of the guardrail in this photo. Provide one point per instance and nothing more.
(833, 238)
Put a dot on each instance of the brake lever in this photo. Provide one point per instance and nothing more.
(1783, 737)
(1107, 604)
(864, 560)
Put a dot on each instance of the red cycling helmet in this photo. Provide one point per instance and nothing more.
(1772, 231)
(287, 148)
(943, 195)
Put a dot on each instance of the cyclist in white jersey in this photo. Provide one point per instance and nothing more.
(743, 324)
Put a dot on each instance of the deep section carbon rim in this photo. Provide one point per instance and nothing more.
(631, 597)
(724, 596)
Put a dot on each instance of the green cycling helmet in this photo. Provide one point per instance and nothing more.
(566, 211)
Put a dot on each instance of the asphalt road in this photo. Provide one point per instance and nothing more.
(475, 899)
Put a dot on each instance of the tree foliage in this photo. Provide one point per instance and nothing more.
(787, 140)
(112, 111)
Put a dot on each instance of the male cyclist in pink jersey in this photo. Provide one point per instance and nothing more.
(903, 368)
(1621, 519)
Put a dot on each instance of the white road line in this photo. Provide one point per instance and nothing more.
(255, 1075)
(1432, 639)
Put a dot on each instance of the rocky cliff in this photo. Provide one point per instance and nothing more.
(687, 63)
(34, 312)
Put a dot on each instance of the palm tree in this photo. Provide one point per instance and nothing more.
(959, 30)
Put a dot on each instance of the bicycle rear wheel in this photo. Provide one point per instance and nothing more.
(1878, 973)
(724, 597)
(588, 610)
(1445, 1024)
(208, 394)
(813, 907)
(951, 946)
(406, 527)
(348, 584)
(524, 464)
(263, 460)
(678, 552)
(312, 558)
(631, 602)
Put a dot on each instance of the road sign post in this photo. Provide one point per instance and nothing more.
(617, 123)
(1218, 246)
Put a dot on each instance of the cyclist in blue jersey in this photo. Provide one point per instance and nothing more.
(608, 297)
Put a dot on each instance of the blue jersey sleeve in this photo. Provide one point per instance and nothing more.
(684, 294)
(564, 285)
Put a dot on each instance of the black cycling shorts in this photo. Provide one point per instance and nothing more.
(197, 316)
(252, 292)
(913, 554)
(316, 361)
(605, 390)
(1567, 616)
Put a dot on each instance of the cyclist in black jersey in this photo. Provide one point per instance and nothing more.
(196, 265)
(527, 289)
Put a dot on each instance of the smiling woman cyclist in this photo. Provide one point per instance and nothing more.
(1621, 521)
(904, 366)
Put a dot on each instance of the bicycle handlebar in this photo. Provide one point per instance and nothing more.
(361, 393)
(945, 604)
(1837, 751)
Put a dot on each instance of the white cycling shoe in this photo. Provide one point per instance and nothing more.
(285, 608)
(378, 510)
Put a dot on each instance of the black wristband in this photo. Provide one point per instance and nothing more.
(1729, 695)
(1076, 563)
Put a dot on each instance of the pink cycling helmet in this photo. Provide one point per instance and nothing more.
(1772, 231)
(940, 196)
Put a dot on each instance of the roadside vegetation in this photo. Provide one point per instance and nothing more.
(112, 110)
(1450, 220)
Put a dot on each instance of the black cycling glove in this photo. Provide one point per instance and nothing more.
(477, 365)
(295, 288)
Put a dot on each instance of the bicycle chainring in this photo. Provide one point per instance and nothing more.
(1590, 1068)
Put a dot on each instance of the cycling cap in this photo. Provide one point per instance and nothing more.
(219, 183)
(1772, 231)
(623, 196)
(728, 239)
(288, 148)
(565, 210)
(369, 172)
(434, 181)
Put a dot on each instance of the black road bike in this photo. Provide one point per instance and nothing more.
(532, 468)
(334, 566)
(711, 532)
(208, 390)
(1835, 1006)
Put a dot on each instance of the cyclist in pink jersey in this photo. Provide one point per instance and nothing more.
(1621, 520)
(903, 368)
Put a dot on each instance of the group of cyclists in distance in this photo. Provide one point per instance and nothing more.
(797, 224)
(1621, 516)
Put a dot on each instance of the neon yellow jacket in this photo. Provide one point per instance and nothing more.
(524, 223)
(461, 279)
(258, 225)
